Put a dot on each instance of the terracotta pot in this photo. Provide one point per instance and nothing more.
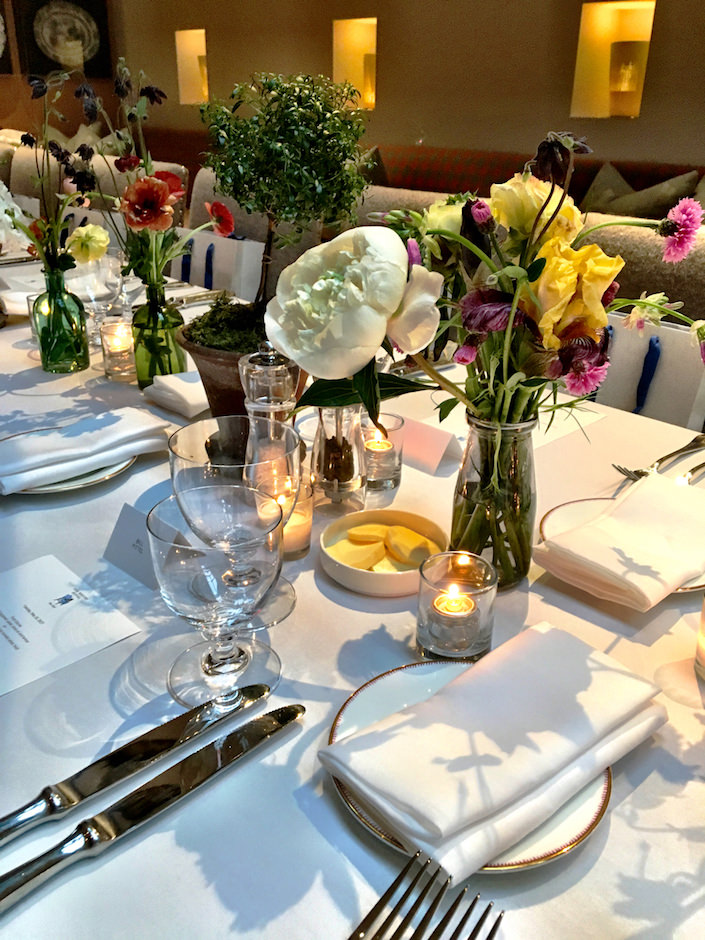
(220, 376)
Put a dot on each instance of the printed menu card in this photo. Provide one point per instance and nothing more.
(49, 618)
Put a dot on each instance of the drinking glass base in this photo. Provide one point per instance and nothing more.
(189, 685)
(278, 604)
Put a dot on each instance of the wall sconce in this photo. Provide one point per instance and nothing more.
(191, 67)
(355, 56)
(613, 48)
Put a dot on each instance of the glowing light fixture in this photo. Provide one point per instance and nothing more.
(191, 66)
(613, 48)
(355, 56)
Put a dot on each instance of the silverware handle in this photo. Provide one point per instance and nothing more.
(49, 803)
(696, 444)
(17, 884)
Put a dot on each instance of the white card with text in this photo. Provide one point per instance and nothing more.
(128, 548)
(49, 619)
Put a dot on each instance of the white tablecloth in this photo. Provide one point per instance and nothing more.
(269, 851)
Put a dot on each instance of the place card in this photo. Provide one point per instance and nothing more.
(50, 618)
(128, 547)
(426, 445)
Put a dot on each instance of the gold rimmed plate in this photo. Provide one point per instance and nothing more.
(85, 479)
(411, 684)
(579, 512)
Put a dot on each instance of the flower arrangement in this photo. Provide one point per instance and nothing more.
(527, 305)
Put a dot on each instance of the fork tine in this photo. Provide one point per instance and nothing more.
(475, 933)
(361, 930)
(625, 471)
(431, 883)
(495, 927)
(448, 916)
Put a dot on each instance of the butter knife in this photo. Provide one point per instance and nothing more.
(57, 799)
(92, 836)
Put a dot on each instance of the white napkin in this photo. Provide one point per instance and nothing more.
(644, 545)
(14, 302)
(40, 457)
(473, 769)
(182, 392)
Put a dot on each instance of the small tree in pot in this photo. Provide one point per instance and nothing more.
(286, 147)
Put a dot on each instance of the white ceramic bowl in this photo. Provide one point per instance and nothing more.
(377, 583)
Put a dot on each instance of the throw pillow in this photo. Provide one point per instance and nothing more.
(608, 185)
(654, 202)
(699, 193)
(375, 173)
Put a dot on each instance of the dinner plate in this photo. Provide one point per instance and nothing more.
(85, 479)
(581, 511)
(415, 682)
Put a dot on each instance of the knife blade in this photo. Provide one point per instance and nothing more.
(57, 799)
(92, 836)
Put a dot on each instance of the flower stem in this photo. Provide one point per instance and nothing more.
(444, 383)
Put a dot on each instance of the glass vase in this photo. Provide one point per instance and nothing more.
(494, 506)
(154, 327)
(338, 460)
(60, 326)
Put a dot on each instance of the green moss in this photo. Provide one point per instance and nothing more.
(226, 325)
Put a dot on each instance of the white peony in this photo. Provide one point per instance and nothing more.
(335, 304)
(11, 239)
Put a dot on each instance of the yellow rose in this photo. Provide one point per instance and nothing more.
(570, 290)
(88, 243)
(514, 205)
(441, 215)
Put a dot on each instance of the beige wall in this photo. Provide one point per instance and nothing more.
(463, 73)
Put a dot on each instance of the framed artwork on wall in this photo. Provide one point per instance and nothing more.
(5, 60)
(56, 34)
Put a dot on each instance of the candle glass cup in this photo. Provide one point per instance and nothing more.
(383, 452)
(297, 531)
(118, 351)
(457, 591)
(32, 324)
(700, 647)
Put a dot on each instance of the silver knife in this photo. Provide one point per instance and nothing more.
(92, 836)
(57, 799)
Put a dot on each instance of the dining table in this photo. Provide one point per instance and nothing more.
(269, 849)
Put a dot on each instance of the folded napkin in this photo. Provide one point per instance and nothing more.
(646, 543)
(470, 771)
(14, 302)
(49, 456)
(182, 393)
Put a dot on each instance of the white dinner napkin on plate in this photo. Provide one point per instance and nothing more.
(182, 393)
(470, 771)
(49, 456)
(646, 543)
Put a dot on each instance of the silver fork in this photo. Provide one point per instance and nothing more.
(429, 883)
(697, 443)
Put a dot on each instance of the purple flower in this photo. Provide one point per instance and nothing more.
(465, 354)
(680, 228)
(482, 215)
(554, 156)
(474, 233)
(702, 350)
(586, 380)
(27, 140)
(38, 85)
(584, 363)
(486, 311)
(413, 251)
(610, 293)
(153, 94)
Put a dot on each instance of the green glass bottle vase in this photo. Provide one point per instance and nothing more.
(60, 326)
(154, 326)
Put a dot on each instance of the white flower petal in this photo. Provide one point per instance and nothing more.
(414, 326)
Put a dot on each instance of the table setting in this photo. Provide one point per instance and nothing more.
(529, 727)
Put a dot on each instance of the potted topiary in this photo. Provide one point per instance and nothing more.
(286, 147)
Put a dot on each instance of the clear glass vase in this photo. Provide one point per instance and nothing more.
(338, 460)
(154, 327)
(494, 506)
(60, 326)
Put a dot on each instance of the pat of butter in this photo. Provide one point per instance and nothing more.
(408, 546)
(362, 556)
(368, 532)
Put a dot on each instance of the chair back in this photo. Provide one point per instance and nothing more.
(218, 263)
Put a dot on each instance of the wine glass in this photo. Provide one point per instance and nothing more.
(217, 587)
(237, 448)
(98, 284)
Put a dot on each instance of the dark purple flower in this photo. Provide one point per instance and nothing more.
(413, 251)
(486, 311)
(84, 180)
(153, 94)
(85, 152)
(610, 293)
(482, 215)
(122, 85)
(89, 103)
(584, 363)
(126, 163)
(474, 233)
(554, 156)
(59, 153)
(28, 141)
(38, 85)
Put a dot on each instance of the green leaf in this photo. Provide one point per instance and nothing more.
(366, 385)
(445, 408)
(533, 272)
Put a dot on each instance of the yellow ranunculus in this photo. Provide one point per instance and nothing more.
(441, 215)
(88, 243)
(514, 205)
(570, 291)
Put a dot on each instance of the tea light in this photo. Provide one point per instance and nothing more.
(297, 531)
(118, 351)
(383, 452)
(455, 614)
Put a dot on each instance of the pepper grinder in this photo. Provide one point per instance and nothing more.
(269, 381)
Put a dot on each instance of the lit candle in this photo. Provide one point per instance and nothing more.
(453, 604)
(118, 350)
(297, 531)
(119, 339)
(378, 444)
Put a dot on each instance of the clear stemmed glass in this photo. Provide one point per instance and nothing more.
(217, 587)
(98, 284)
(238, 448)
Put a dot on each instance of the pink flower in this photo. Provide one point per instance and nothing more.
(586, 379)
(413, 251)
(146, 203)
(174, 183)
(610, 293)
(465, 354)
(680, 228)
(482, 216)
(222, 217)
